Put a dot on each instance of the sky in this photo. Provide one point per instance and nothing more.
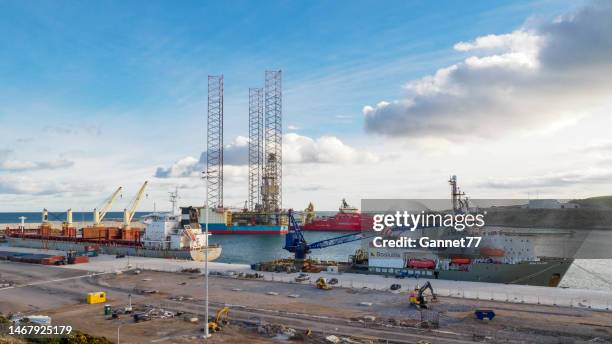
(380, 100)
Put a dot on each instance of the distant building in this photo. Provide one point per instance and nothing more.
(550, 204)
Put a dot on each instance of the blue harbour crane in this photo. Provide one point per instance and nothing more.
(297, 244)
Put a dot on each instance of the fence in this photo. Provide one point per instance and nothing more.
(573, 298)
(526, 295)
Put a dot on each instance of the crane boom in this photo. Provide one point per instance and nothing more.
(128, 215)
(296, 243)
(99, 214)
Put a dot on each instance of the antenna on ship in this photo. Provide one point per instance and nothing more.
(459, 205)
(174, 199)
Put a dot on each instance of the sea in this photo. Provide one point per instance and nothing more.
(77, 216)
(248, 249)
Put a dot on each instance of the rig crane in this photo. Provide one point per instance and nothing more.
(128, 215)
(98, 215)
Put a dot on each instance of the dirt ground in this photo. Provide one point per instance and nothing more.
(91, 319)
(63, 298)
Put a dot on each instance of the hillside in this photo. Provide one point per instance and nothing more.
(595, 202)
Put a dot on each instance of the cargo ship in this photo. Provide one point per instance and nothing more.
(164, 236)
(500, 259)
(226, 221)
(347, 219)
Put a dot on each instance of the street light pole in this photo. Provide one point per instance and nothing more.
(206, 333)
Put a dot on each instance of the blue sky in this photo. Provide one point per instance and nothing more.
(123, 84)
(152, 58)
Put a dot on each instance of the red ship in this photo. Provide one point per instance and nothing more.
(348, 219)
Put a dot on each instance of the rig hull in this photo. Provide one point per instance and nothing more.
(220, 228)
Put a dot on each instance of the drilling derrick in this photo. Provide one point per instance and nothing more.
(273, 137)
(214, 141)
(256, 141)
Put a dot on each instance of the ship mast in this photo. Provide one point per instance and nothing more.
(173, 200)
(459, 205)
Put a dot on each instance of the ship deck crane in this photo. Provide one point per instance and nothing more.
(98, 215)
(128, 214)
(296, 243)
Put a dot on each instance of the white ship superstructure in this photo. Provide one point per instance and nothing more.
(166, 231)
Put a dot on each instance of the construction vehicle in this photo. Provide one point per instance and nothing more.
(322, 284)
(302, 277)
(221, 319)
(98, 215)
(360, 257)
(418, 298)
(482, 314)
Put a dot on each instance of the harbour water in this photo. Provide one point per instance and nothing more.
(247, 249)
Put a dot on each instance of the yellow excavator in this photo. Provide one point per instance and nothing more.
(322, 284)
(360, 257)
(221, 319)
(418, 297)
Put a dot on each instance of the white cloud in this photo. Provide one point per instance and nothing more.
(293, 127)
(519, 41)
(326, 150)
(234, 154)
(185, 167)
(528, 80)
(576, 177)
(25, 185)
(16, 165)
(21, 165)
(297, 149)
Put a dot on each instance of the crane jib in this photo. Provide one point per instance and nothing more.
(296, 243)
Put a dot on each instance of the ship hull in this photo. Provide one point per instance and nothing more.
(216, 228)
(546, 272)
(213, 251)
